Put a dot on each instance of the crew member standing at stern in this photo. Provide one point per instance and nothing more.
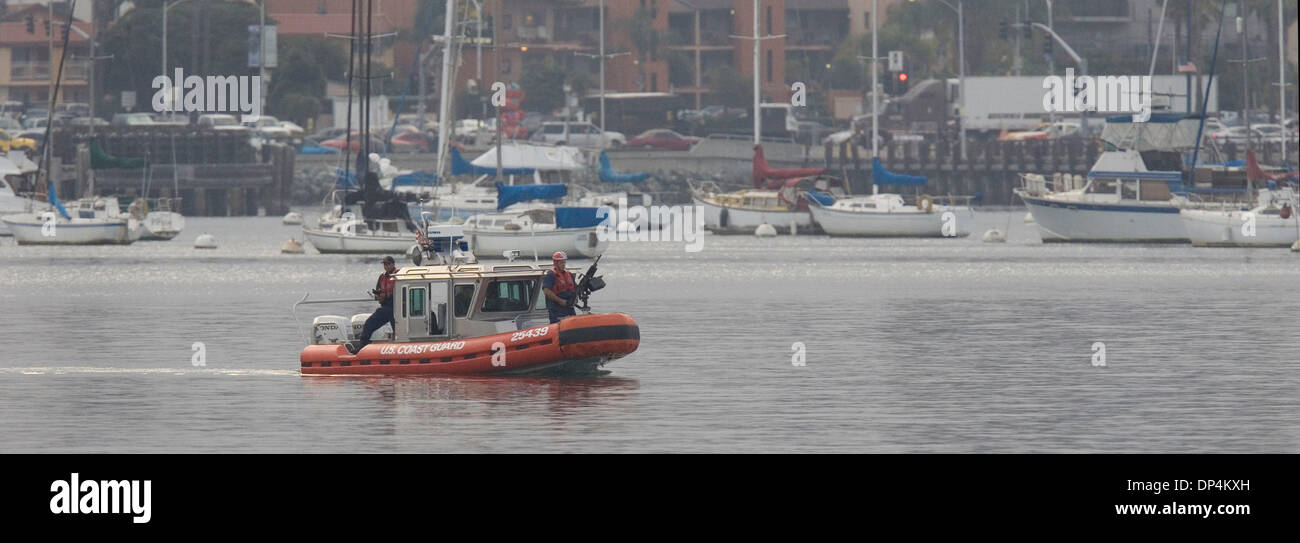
(558, 286)
(383, 293)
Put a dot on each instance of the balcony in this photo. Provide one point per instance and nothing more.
(39, 70)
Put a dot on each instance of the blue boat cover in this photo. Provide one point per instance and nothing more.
(881, 176)
(415, 179)
(345, 179)
(522, 193)
(821, 197)
(460, 166)
(607, 174)
(54, 201)
(577, 217)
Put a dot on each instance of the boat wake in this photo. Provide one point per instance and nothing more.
(65, 370)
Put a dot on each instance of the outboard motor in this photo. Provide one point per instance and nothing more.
(330, 329)
(358, 324)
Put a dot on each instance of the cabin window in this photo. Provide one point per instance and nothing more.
(464, 297)
(415, 303)
(509, 295)
(1129, 189)
(1102, 186)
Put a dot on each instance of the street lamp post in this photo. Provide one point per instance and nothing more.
(961, 67)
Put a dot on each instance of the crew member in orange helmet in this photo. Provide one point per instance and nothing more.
(559, 288)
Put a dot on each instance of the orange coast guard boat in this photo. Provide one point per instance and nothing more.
(473, 319)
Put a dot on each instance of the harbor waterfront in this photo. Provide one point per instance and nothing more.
(908, 345)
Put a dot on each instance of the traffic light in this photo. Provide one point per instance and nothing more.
(47, 27)
(1028, 30)
(64, 36)
(901, 86)
(1004, 30)
(1047, 45)
(31, 24)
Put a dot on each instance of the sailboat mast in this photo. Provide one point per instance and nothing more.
(1281, 74)
(875, 105)
(758, 117)
(444, 104)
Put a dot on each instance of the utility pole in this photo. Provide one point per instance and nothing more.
(602, 56)
(758, 94)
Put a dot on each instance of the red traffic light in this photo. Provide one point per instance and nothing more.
(902, 77)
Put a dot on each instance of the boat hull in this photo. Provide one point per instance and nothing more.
(898, 224)
(744, 221)
(162, 226)
(337, 243)
(1207, 228)
(29, 230)
(577, 344)
(1060, 221)
(579, 242)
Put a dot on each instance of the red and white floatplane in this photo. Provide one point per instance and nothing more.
(460, 317)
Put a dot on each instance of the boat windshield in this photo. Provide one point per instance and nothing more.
(509, 295)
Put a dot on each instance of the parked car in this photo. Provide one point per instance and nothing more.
(267, 127)
(15, 141)
(376, 143)
(580, 135)
(1260, 133)
(87, 121)
(220, 121)
(292, 127)
(328, 134)
(663, 139)
(132, 119)
(411, 142)
(7, 123)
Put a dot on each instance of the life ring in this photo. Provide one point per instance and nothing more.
(929, 203)
(1285, 212)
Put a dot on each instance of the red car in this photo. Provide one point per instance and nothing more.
(662, 139)
(376, 144)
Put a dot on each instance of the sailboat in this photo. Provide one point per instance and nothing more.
(1273, 220)
(56, 226)
(371, 219)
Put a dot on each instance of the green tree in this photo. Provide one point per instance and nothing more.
(647, 43)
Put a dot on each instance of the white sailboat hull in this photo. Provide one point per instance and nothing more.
(162, 225)
(329, 242)
(1209, 228)
(1064, 221)
(744, 221)
(579, 242)
(29, 229)
(912, 224)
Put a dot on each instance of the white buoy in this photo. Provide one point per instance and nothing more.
(292, 247)
(205, 241)
(1295, 247)
(765, 231)
(292, 218)
(1029, 218)
(993, 235)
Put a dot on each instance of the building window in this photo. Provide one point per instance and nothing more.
(654, 82)
(866, 21)
(507, 21)
(505, 66)
(769, 65)
(769, 20)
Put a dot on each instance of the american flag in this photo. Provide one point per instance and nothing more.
(421, 239)
(1188, 67)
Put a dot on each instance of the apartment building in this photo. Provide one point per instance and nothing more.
(26, 69)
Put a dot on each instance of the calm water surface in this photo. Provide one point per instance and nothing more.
(911, 346)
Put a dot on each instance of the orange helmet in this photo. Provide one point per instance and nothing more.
(559, 255)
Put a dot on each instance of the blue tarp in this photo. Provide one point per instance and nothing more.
(522, 193)
(577, 217)
(821, 197)
(881, 176)
(460, 166)
(415, 179)
(607, 174)
(54, 200)
(1155, 118)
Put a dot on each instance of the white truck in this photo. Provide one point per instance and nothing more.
(994, 104)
